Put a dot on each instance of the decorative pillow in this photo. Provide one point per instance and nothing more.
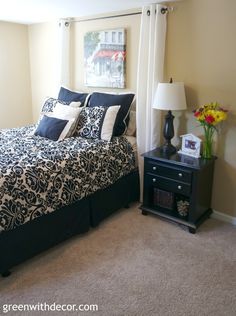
(67, 95)
(132, 124)
(97, 122)
(66, 112)
(106, 99)
(50, 104)
(53, 128)
(74, 104)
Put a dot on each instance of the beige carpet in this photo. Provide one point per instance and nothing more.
(133, 265)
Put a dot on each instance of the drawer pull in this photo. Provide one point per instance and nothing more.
(154, 168)
(154, 180)
(179, 187)
(180, 175)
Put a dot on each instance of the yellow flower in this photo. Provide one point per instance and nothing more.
(210, 114)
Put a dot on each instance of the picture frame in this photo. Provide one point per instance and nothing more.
(191, 145)
(105, 58)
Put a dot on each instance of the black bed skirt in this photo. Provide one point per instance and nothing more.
(29, 239)
(120, 194)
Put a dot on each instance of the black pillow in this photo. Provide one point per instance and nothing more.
(106, 99)
(70, 96)
(50, 127)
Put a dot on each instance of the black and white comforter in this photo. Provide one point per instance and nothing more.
(38, 176)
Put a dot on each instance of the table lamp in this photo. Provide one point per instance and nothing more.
(170, 97)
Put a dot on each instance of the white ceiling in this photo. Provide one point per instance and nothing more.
(36, 11)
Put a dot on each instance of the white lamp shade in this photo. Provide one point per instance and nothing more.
(170, 96)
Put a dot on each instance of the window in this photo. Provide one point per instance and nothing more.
(120, 39)
(106, 37)
(113, 37)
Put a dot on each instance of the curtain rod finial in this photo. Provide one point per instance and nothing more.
(165, 10)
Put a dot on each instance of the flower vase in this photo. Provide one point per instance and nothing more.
(207, 143)
(209, 115)
(207, 150)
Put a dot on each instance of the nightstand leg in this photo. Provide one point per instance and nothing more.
(6, 273)
(144, 212)
(192, 230)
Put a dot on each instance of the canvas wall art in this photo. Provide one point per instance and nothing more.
(105, 58)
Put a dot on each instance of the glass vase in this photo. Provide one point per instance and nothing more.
(207, 143)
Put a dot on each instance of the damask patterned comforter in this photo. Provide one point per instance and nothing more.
(38, 176)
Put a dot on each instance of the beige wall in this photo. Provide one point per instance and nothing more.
(201, 50)
(15, 90)
(43, 41)
(131, 24)
(44, 63)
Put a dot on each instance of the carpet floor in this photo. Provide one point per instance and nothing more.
(133, 265)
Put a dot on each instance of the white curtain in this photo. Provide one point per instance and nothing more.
(64, 53)
(150, 72)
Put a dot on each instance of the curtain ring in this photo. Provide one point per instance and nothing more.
(148, 12)
(67, 23)
(164, 10)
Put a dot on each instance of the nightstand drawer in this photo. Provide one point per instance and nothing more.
(168, 172)
(169, 185)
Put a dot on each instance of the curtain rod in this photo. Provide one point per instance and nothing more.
(164, 10)
(107, 17)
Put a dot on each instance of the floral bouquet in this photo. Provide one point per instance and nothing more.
(209, 115)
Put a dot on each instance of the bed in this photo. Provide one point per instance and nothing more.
(51, 190)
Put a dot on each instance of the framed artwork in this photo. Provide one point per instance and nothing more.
(105, 58)
(191, 145)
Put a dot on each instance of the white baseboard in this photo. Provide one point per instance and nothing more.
(224, 217)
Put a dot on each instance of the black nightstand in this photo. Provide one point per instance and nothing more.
(178, 187)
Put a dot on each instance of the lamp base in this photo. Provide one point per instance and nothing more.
(168, 149)
(168, 133)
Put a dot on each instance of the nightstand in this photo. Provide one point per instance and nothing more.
(178, 187)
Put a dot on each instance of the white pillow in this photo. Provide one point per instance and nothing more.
(66, 112)
(50, 103)
(132, 124)
(74, 104)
